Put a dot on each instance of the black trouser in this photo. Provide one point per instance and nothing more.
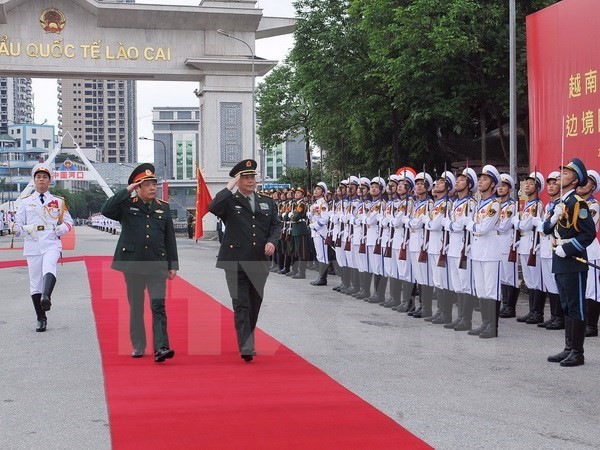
(156, 286)
(246, 290)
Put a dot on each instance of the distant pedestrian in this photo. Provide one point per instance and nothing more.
(146, 253)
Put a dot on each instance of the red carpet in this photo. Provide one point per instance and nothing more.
(207, 397)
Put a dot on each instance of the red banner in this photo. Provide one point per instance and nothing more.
(203, 199)
(563, 60)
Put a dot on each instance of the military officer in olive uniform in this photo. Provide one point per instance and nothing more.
(252, 230)
(300, 233)
(146, 254)
(572, 229)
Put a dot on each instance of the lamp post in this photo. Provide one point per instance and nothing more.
(143, 138)
(229, 35)
(165, 177)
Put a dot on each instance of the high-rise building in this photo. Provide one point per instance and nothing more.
(16, 101)
(99, 114)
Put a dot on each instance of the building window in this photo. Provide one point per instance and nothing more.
(184, 115)
(165, 115)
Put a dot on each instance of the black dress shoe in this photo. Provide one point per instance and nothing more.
(137, 353)
(247, 358)
(41, 325)
(163, 353)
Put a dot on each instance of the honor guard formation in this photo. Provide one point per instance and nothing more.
(459, 239)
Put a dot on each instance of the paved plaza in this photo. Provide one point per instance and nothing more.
(450, 389)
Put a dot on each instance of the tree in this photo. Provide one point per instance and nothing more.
(282, 112)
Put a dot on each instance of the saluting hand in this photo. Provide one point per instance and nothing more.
(233, 182)
(132, 186)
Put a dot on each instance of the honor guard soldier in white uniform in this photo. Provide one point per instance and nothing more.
(531, 216)
(348, 237)
(389, 269)
(319, 219)
(438, 244)
(401, 265)
(485, 253)
(338, 236)
(42, 218)
(459, 266)
(359, 237)
(508, 239)
(592, 293)
(573, 229)
(557, 316)
(417, 244)
(372, 222)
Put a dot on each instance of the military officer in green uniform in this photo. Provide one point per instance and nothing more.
(146, 254)
(300, 232)
(251, 232)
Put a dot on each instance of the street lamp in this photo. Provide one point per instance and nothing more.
(229, 35)
(143, 138)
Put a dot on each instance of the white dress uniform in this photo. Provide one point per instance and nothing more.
(593, 253)
(532, 275)
(463, 210)
(484, 251)
(545, 253)
(436, 240)
(416, 223)
(319, 219)
(339, 230)
(509, 271)
(41, 223)
(403, 268)
(372, 220)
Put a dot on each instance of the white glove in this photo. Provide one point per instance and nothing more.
(29, 228)
(558, 211)
(447, 224)
(540, 227)
(384, 222)
(536, 221)
(560, 252)
(405, 220)
(470, 225)
(515, 222)
(62, 229)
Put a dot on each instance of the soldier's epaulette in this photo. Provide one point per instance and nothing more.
(28, 195)
(161, 202)
(579, 198)
(263, 195)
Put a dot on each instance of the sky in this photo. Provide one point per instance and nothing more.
(152, 94)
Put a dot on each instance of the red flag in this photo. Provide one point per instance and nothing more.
(203, 199)
(165, 191)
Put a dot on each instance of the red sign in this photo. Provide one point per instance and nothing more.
(563, 60)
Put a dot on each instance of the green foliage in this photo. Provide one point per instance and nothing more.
(82, 204)
(383, 83)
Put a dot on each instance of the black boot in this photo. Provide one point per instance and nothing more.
(576, 358)
(531, 303)
(539, 303)
(426, 303)
(375, 297)
(439, 297)
(513, 297)
(365, 284)
(301, 275)
(322, 279)
(493, 313)
(484, 320)
(294, 267)
(361, 286)
(41, 315)
(355, 282)
(466, 321)
(49, 282)
(447, 301)
(557, 314)
(568, 345)
(395, 294)
(504, 295)
(405, 293)
(459, 306)
(592, 318)
(416, 292)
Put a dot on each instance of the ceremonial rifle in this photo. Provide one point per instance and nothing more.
(532, 258)
(512, 255)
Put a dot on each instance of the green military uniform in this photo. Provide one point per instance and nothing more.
(301, 237)
(145, 253)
